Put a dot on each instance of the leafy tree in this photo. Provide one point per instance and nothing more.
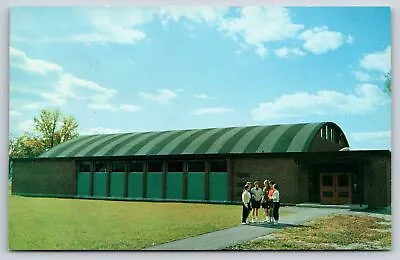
(52, 128)
(25, 146)
(55, 128)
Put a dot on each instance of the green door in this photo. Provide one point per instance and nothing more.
(218, 185)
(154, 185)
(84, 184)
(174, 185)
(135, 185)
(117, 185)
(195, 186)
(100, 184)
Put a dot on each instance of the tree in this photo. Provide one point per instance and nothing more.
(55, 128)
(25, 146)
(52, 128)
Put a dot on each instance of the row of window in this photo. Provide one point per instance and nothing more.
(331, 134)
(152, 166)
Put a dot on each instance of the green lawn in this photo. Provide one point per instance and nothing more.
(345, 232)
(71, 224)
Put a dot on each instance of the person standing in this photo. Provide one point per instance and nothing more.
(246, 203)
(265, 199)
(256, 193)
(270, 204)
(276, 203)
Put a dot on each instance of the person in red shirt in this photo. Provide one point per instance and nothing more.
(270, 203)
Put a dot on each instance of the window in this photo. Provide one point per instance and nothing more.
(343, 180)
(326, 132)
(196, 166)
(135, 166)
(175, 166)
(327, 180)
(218, 166)
(100, 166)
(84, 166)
(118, 166)
(155, 166)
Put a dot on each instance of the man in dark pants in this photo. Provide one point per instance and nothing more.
(246, 196)
(276, 203)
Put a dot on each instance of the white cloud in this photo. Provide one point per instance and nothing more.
(199, 14)
(366, 98)
(34, 105)
(26, 126)
(99, 106)
(260, 25)
(18, 59)
(129, 108)
(99, 130)
(212, 110)
(53, 97)
(112, 107)
(70, 86)
(319, 40)
(261, 51)
(114, 25)
(164, 96)
(202, 96)
(374, 136)
(285, 52)
(362, 76)
(15, 113)
(112, 34)
(123, 26)
(379, 60)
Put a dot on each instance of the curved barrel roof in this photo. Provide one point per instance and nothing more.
(248, 139)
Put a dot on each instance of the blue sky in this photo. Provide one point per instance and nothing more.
(149, 69)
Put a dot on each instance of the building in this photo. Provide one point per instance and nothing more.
(211, 165)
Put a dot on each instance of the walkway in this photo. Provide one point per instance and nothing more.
(231, 236)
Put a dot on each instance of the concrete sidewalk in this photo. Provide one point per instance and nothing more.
(221, 239)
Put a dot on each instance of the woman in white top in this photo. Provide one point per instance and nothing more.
(246, 204)
(256, 195)
(276, 203)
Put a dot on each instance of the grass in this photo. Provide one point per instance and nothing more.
(71, 224)
(344, 232)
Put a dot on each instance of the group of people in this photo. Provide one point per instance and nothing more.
(253, 198)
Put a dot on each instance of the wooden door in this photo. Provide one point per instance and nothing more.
(335, 188)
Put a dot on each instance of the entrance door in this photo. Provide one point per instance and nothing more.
(335, 188)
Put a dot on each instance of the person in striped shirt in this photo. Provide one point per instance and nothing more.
(256, 195)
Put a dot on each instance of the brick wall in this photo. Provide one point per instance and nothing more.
(282, 171)
(378, 182)
(44, 177)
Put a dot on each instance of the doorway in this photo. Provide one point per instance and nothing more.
(335, 188)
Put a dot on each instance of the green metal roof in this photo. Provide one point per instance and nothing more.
(249, 139)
